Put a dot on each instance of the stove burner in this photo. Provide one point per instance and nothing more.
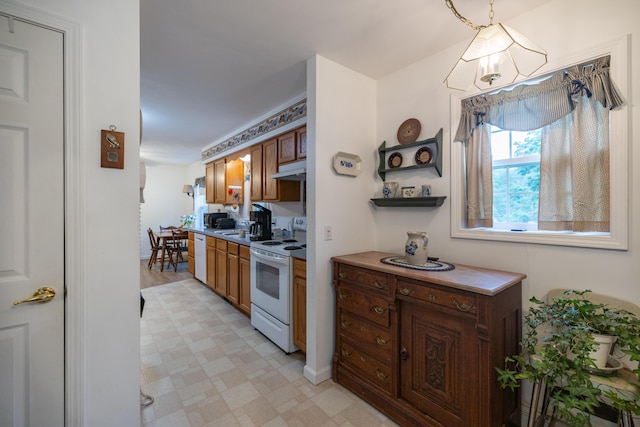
(271, 243)
(289, 240)
(292, 248)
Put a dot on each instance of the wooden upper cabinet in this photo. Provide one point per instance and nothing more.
(220, 188)
(256, 172)
(287, 148)
(270, 166)
(234, 180)
(210, 183)
(292, 146)
(302, 143)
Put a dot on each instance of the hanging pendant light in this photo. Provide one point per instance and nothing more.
(497, 52)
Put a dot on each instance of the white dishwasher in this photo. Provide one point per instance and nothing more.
(200, 256)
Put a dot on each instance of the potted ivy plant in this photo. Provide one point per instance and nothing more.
(557, 348)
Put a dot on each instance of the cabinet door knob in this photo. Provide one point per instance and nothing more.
(463, 307)
(403, 354)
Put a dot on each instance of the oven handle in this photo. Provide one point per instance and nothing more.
(269, 257)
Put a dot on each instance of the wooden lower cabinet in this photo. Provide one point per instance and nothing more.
(300, 304)
(422, 346)
(233, 273)
(244, 299)
(229, 272)
(220, 285)
(211, 262)
(191, 260)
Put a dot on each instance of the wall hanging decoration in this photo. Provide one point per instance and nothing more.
(112, 148)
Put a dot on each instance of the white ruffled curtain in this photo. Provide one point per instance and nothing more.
(571, 107)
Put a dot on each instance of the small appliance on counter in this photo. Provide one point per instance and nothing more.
(211, 219)
(261, 227)
(225, 223)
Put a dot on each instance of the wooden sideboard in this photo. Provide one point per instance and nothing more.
(421, 346)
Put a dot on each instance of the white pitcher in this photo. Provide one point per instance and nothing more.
(415, 248)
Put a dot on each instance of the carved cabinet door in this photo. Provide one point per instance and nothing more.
(439, 364)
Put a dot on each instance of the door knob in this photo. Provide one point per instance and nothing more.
(41, 295)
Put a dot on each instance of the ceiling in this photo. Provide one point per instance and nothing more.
(210, 67)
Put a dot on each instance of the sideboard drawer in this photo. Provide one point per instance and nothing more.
(459, 301)
(364, 304)
(375, 339)
(371, 369)
(368, 278)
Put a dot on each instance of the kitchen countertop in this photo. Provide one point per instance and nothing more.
(220, 233)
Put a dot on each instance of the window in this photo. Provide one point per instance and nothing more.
(515, 172)
(516, 178)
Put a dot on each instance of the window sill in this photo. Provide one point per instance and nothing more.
(557, 238)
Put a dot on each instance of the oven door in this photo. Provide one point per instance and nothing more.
(270, 287)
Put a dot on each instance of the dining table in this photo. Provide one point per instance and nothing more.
(165, 236)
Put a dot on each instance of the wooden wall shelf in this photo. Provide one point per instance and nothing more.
(410, 201)
(435, 144)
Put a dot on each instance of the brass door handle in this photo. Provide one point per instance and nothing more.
(41, 295)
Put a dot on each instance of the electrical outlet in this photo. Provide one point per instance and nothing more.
(328, 232)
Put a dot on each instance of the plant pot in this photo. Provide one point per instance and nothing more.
(601, 354)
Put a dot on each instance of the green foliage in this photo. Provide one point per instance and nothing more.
(555, 349)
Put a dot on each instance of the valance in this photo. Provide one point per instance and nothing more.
(532, 106)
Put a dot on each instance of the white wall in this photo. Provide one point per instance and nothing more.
(417, 91)
(562, 27)
(102, 272)
(341, 117)
(164, 201)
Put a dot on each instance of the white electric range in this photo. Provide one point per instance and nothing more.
(272, 289)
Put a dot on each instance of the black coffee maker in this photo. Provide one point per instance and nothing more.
(261, 227)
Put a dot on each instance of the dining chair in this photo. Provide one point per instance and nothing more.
(178, 245)
(155, 247)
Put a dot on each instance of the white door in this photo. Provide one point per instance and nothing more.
(31, 224)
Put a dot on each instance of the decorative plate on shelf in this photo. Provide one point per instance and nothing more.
(408, 131)
(423, 156)
(395, 160)
(347, 164)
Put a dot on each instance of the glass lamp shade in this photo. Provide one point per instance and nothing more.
(497, 52)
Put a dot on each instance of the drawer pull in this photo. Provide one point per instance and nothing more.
(345, 353)
(379, 310)
(381, 341)
(432, 296)
(343, 296)
(342, 274)
(463, 307)
(360, 278)
(381, 375)
(406, 292)
(380, 285)
(345, 324)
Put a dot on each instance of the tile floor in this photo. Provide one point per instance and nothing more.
(205, 365)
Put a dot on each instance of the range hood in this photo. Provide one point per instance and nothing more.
(296, 171)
